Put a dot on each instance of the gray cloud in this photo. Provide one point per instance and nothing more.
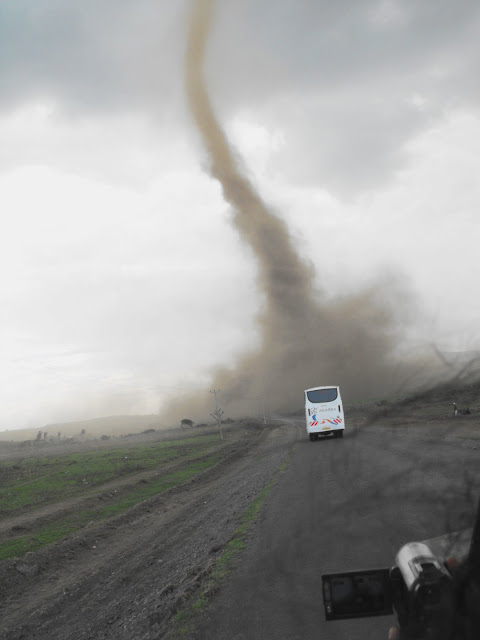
(349, 85)
(349, 82)
(147, 291)
(92, 56)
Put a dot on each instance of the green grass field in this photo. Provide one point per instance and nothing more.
(31, 483)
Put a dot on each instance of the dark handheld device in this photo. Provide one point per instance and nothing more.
(429, 603)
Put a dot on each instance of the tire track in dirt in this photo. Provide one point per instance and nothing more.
(25, 521)
(127, 578)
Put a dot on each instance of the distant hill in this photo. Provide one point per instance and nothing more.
(96, 427)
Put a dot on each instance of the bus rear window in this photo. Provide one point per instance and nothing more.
(322, 395)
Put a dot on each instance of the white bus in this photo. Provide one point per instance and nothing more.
(324, 412)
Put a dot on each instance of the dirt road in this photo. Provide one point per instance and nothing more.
(337, 505)
(344, 505)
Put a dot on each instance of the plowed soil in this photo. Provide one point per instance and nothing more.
(127, 578)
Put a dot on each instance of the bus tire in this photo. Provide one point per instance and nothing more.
(312, 437)
(340, 434)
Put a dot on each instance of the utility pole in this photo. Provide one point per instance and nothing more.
(218, 413)
(215, 391)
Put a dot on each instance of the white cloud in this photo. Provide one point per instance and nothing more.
(98, 279)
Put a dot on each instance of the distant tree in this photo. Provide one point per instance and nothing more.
(59, 435)
(39, 436)
(186, 423)
(104, 437)
(217, 415)
(83, 432)
(45, 434)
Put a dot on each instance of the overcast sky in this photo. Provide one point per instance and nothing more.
(121, 277)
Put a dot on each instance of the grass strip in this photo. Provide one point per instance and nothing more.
(32, 482)
(59, 529)
(197, 603)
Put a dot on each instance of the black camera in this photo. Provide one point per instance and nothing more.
(429, 602)
(419, 587)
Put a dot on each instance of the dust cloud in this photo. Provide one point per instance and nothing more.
(306, 340)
